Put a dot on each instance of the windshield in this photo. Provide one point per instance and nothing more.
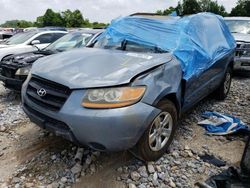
(69, 41)
(239, 26)
(20, 38)
(125, 45)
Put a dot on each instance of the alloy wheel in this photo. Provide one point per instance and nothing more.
(160, 131)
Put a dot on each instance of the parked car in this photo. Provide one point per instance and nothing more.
(130, 88)
(240, 28)
(14, 69)
(5, 35)
(28, 42)
(49, 28)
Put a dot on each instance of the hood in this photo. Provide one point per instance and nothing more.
(241, 37)
(22, 59)
(91, 67)
(3, 45)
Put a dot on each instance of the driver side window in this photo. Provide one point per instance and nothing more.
(45, 38)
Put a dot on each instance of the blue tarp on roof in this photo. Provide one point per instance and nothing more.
(197, 40)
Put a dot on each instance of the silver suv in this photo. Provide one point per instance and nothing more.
(240, 28)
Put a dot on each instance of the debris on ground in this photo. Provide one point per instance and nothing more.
(220, 124)
(212, 160)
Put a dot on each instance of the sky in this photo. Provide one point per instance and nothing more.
(94, 10)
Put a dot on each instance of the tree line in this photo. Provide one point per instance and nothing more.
(68, 18)
(74, 19)
(187, 7)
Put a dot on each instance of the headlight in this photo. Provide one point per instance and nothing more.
(24, 71)
(113, 97)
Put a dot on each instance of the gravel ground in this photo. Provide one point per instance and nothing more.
(31, 157)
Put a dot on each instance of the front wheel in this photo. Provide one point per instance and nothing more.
(222, 91)
(159, 135)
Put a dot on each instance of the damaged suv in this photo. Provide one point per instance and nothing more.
(15, 69)
(128, 89)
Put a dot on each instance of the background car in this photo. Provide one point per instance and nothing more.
(129, 90)
(28, 42)
(14, 69)
(5, 35)
(240, 28)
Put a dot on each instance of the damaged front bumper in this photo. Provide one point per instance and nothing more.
(11, 83)
(101, 129)
(242, 58)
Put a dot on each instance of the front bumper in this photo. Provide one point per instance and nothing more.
(242, 64)
(12, 83)
(101, 129)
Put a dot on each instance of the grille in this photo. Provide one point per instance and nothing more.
(243, 49)
(56, 94)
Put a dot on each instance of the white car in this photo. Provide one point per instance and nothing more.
(28, 42)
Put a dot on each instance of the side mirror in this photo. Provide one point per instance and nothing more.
(34, 42)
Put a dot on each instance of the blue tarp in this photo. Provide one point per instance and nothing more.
(220, 124)
(197, 40)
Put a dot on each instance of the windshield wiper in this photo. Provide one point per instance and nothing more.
(159, 50)
(46, 52)
(60, 50)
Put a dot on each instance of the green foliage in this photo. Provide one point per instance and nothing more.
(98, 25)
(186, 7)
(190, 7)
(50, 18)
(166, 11)
(17, 24)
(212, 6)
(242, 8)
(74, 19)
(68, 18)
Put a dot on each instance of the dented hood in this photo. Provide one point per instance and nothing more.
(91, 67)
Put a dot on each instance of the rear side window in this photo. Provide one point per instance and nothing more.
(45, 38)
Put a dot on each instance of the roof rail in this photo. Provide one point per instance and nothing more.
(145, 14)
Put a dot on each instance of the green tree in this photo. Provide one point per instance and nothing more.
(190, 7)
(98, 25)
(17, 24)
(212, 6)
(242, 8)
(166, 11)
(24, 24)
(73, 19)
(50, 18)
(179, 9)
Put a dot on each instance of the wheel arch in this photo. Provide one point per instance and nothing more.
(6, 56)
(174, 99)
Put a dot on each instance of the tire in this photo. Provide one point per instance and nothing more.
(222, 91)
(153, 151)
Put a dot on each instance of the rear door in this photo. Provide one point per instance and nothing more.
(48, 38)
(45, 40)
(210, 47)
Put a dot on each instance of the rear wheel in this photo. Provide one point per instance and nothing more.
(159, 135)
(224, 88)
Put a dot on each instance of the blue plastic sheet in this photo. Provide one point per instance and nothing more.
(220, 124)
(198, 41)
